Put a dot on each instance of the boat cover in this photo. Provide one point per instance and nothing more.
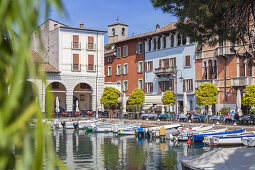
(223, 159)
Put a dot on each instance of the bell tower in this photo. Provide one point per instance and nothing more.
(117, 32)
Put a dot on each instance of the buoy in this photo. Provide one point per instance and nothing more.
(188, 142)
(203, 141)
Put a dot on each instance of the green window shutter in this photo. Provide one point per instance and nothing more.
(116, 70)
(127, 68)
(143, 47)
(137, 48)
(120, 70)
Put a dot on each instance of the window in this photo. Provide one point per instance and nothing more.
(187, 61)
(140, 84)
(125, 85)
(188, 85)
(149, 45)
(113, 32)
(159, 43)
(109, 59)
(109, 71)
(91, 66)
(118, 70)
(183, 40)
(166, 85)
(163, 63)
(76, 62)
(164, 42)
(125, 68)
(118, 52)
(148, 66)
(172, 40)
(123, 31)
(155, 44)
(149, 87)
(205, 71)
(139, 48)
(172, 62)
(90, 43)
(125, 51)
(140, 67)
(179, 39)
(55, 85)
(75, 44)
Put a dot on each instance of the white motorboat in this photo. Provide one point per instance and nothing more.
(127, 132)
(116, 129)
(249, 141)
(228, 139)
(155, 130)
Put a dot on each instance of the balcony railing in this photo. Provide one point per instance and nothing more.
(165, 71)
(76, 45)
(91, 46)
(91, 67)
(198, 54)
(242, 81)
(76, 67)
(224, 50)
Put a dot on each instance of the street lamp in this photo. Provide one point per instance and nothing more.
(121, 87)
(180, 79)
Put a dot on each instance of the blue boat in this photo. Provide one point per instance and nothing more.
(200, 137)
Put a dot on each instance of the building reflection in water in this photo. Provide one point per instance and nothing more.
(81, 150)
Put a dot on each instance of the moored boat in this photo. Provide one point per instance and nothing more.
(248, 141)
(200, 137)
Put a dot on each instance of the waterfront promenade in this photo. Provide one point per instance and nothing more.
(160, 123)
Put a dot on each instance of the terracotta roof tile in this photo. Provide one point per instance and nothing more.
(46, 67)
(165, 28)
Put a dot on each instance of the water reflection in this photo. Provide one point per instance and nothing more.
(80, 150)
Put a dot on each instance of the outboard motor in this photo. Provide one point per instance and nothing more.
(63, 123)
(140, 133)
(76, 125)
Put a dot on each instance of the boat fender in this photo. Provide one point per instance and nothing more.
(188, 142)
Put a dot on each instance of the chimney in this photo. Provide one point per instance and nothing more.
(157, 27)
(81, 25)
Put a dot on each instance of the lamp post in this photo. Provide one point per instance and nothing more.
(121, 87)
(180, 78)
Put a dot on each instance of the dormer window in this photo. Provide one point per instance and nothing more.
(113, 32)
(123, 31)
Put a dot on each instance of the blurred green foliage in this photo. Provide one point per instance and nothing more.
(21, 147)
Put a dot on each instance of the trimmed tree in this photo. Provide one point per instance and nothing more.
(249, 96)
(168, 98)
(136, 98)
(109, 97)
(206, 94)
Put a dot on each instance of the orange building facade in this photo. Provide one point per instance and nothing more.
(124, 63)
(229, 72)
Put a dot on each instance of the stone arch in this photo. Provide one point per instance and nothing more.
(82, 94)
(57, 89)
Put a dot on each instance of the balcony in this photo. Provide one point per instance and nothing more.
(224, 50)
(76, 67)
(198, 54)
(91, 46)
(91, 68)
(165, 71)
(213, 81)
(76, 45)
(242, 81)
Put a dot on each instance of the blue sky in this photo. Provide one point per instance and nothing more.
(97, 14)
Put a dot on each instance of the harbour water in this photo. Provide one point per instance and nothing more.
(81, 150)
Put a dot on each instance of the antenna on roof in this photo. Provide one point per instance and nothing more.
(117, 19)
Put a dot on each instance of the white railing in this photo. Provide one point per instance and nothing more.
(76, 67)
(242, 81)
(76, 45)
(91, 46)
(91, 68)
